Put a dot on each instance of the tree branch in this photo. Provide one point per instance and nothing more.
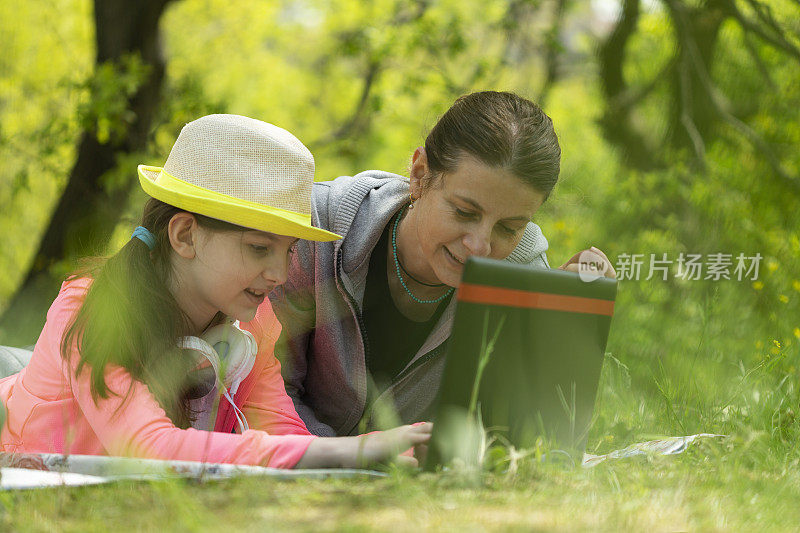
(552, 53)
(684, 65)
(612, 51)
(719, 105)
(616, 121)
(762, 68)
(632, 96)
(778, 40)
(686, 118)
(358, 118)
(356, 121)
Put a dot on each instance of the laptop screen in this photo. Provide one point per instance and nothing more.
(523, 361)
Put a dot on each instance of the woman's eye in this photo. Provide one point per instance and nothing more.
(259, 250)
(464, 214)
(508, 231)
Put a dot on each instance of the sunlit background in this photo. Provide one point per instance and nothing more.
(678, 122)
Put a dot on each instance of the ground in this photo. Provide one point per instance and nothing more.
(708, 488)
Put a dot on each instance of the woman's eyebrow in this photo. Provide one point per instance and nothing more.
(478, 207)
(518, 218)
(470, 201)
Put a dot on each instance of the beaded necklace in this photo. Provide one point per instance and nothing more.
(407, 273)
(397, 267)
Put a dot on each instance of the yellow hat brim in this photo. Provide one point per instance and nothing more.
(171, 190)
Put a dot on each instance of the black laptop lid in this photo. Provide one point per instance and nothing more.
(541, 335)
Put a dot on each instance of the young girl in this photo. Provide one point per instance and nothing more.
(119, 369)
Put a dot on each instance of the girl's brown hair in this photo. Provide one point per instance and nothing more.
(500, 129)
(131, 319)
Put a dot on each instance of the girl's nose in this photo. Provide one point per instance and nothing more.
(277, 272)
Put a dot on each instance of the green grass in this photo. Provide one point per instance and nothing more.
(702, 360)
(700, 490)
(747, 481)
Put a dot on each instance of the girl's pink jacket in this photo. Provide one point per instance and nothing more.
(52, 411)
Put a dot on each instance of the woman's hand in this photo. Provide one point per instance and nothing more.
(590, 260)
(379, 447)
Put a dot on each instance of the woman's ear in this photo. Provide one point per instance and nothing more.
(418, 172)
(182, 232)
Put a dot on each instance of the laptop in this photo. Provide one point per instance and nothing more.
(523, 361)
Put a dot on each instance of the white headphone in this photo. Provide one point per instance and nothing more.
(227, 345)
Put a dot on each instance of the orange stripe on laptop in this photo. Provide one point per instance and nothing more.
(484, 294)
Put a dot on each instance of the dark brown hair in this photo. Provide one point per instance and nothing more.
(131, 319)
(500, 129)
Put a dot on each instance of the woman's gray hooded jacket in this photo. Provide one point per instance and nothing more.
(323, 347)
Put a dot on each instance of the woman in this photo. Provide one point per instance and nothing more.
(365, 319)
(136, 352)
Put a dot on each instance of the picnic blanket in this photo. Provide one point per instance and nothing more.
(666, 446)
(22, 471)
(27, 471)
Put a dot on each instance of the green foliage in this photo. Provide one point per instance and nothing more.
(360, 83)
(106, 111)
(47, 56)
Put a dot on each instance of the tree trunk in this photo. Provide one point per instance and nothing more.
(87, 212)
(616, 122)
(692, 116)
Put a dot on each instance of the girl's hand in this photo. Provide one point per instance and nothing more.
(592, 259)
(379, 447)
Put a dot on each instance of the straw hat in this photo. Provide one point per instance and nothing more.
(242, 171)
